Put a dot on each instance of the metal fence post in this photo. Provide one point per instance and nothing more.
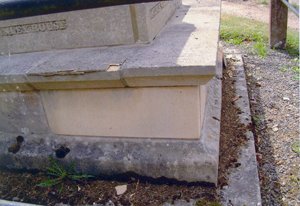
(278, 24)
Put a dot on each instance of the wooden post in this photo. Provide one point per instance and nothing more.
(278, 24)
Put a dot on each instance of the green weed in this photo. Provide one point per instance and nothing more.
(284, 69)
(257, 119)
(58, 174)
(296, 71)
(260, 49)
(296, 147)
(264, 2)
(207, 203)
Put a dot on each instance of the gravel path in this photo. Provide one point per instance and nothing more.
(274, 98)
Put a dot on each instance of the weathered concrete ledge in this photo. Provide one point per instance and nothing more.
(184, 53)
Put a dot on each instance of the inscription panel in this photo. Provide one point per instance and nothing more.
(33, 28)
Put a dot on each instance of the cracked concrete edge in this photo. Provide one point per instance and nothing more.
(243, 185)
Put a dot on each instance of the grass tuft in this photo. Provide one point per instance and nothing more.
(239, 30)
(260, 49)
(207, 203)
(58, 174)
(264, 2)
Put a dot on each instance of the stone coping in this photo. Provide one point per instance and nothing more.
(184, 53)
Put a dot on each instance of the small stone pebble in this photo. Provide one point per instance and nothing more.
(275, 128)
(286, 99)
(121, 189)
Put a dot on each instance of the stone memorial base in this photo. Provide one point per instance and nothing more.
(150, 109)
(117, 25)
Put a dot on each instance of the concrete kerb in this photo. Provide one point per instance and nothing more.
(243, 184)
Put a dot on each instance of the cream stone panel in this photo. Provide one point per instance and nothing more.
(159, 112)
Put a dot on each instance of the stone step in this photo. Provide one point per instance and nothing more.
(150, 109)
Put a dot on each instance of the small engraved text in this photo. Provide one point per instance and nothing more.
(33, 28)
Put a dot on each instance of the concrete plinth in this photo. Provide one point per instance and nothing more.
(150, 109)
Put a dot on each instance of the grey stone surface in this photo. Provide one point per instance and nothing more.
(243, 185)
(117, 25)
(22, 113)
(183, 53)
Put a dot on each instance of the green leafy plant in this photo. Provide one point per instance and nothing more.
(58, 174)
